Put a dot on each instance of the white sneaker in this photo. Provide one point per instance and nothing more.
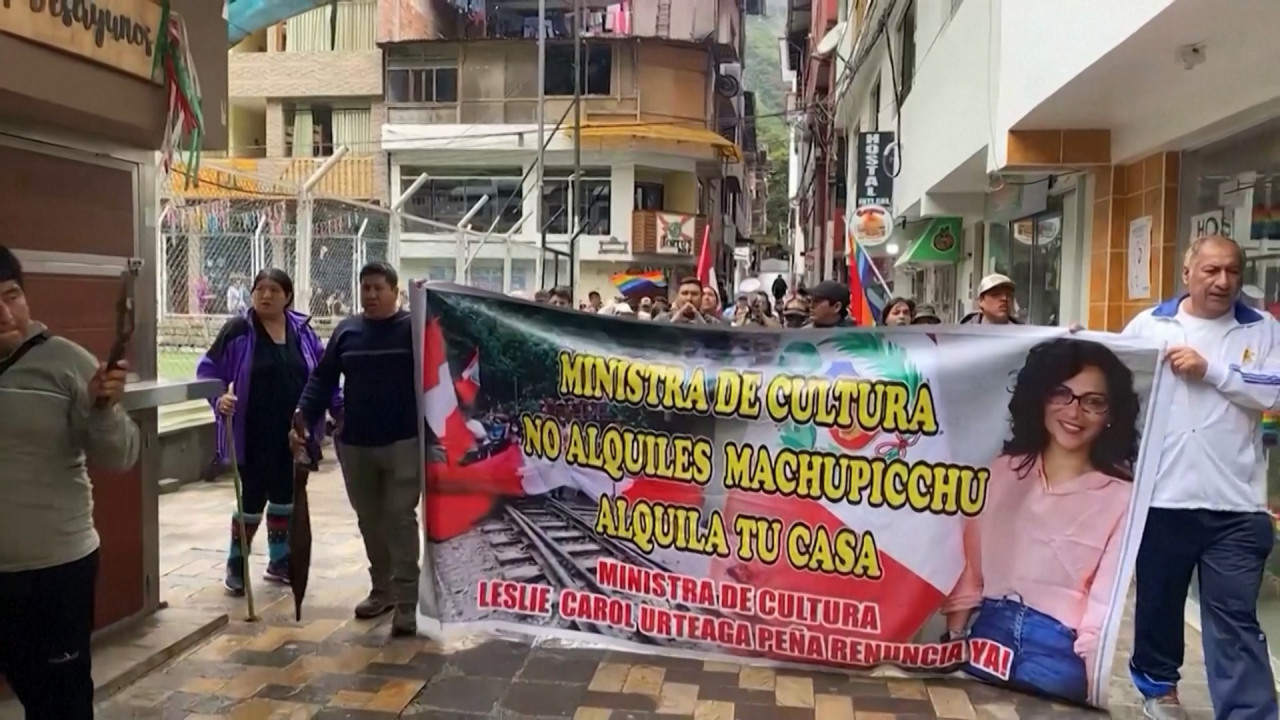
(1165, 707)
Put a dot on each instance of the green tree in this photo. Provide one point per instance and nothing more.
(763, 76)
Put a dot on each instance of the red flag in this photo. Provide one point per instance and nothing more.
(440, 402)
(706, 265)
(468, 386)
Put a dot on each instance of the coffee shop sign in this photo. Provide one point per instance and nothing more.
(120, 34)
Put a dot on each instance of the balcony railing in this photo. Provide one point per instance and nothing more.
(656, 232)
(351, 177)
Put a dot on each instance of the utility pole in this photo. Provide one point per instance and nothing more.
(542, 140)
(576, 188)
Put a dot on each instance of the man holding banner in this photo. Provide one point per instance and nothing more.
(1209, 511)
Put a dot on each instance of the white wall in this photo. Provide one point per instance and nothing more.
(1043, 45)
(946, 118)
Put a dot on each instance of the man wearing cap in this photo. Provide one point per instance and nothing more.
(829, 305)
(995, 302)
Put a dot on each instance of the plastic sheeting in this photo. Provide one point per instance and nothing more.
(245, 17)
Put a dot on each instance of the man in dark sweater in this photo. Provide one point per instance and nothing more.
(378, 439)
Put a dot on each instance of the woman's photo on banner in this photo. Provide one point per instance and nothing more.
(1043, 557)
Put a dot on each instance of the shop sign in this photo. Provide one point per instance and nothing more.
(875, 183)
(675, 233)
(1213, 222)
(120, 34)
(872, 220)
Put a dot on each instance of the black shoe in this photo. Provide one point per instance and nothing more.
(371, 607)
(277, 571)
(405, 621)
(234, 581)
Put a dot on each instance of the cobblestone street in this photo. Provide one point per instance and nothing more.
(333, 666)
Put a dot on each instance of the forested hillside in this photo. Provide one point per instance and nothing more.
(763, 76)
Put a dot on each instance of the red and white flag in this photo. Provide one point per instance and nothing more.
(468, 386)
(706, 271)
(440, 402)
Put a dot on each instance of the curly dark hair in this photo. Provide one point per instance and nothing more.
(1048, 366)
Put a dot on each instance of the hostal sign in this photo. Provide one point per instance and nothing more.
(875, 184)
(120, 34)
(872, 223)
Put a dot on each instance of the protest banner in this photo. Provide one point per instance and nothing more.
(936, 499)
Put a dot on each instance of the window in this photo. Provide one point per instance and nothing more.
(649, 196)
(418, 84)
(441, 270)
(597, 69)
(907, 61)
(522, 272)
(595, 204)
(875, 107)
(486, 275)
(451, 193)
(1029, 251)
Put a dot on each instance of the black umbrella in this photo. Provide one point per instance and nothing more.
(299, 539)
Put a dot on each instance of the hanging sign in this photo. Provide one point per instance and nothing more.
(675, 233)
(120, 34)
(872, 219)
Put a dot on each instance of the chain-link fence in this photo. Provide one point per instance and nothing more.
(212, 247)
(215, 237)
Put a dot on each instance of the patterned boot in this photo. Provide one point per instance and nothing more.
(278, 517)
(234, 581)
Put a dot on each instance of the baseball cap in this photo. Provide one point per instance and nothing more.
(993, 281)
(831, 291)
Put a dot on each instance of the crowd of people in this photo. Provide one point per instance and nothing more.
(60, 410)
(826, 305)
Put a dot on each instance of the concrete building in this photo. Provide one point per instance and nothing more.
(1050, 132)
(666, 139)
(1076, 147)
(298, 91)
(303, 87)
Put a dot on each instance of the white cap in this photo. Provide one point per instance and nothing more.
(993, 281)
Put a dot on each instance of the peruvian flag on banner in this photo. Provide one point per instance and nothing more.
(440, 402)
(457, 495)
(468, 386)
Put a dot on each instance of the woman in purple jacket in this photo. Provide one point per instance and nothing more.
(264, 358)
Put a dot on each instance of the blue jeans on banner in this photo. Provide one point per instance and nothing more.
(1044, 655)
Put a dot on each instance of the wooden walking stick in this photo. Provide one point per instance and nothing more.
(250, 615)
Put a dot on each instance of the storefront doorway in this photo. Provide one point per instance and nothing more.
(1030, 251)
(1232, 187)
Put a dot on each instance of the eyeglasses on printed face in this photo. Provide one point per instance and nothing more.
(1092, 402)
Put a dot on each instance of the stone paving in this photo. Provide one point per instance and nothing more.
(333, 666)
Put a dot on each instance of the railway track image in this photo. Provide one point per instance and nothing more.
(548, 541)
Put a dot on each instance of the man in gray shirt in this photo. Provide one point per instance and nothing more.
(59, 412)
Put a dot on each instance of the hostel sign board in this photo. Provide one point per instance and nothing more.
(872, 222)
(875, 184)
(119, 34)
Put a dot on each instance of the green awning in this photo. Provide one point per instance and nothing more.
(937, 244)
